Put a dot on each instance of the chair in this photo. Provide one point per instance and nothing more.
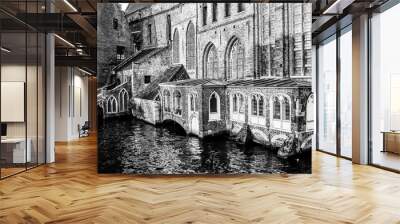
(84, 130)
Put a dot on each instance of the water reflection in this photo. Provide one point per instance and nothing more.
(135, 147)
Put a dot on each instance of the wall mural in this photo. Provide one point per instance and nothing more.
(204, 88)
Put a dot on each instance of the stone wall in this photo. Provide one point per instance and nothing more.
(109, 38)
(221, 33)
(147, 110)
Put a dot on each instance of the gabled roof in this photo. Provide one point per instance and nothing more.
(173, 73)
(270, 82)
(139, 57)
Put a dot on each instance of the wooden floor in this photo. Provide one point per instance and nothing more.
(70, 191)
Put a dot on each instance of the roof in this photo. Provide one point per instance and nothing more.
(196, 82)
(139, 56)
(270, 82)
(133, 7)
(174, 72)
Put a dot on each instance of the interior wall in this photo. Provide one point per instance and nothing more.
(16, 73)
(71, 102)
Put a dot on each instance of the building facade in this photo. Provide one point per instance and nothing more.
(248, 68)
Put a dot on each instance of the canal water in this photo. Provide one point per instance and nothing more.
(131, 146)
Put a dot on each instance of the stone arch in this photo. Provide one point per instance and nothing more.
(279, 139)
(260, 136)
(174, 125)
(306, 143)
(234, 59)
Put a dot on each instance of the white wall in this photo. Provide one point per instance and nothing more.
(71, 102)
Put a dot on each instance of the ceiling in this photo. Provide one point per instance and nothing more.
(75, 22)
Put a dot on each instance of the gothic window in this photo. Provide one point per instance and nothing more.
(277, 108)
(190, 47)
(192, 101)
(261, 106)
(213, 104)
(214, 107)
(168, 27)
(123, 100)
(112, 105)
(285, 109)
(236, 61)
(254, 105)
(175, 47)
(177, 103)
(281, 112)
(241, 104)
(227, 9)
(204, 14)
(257, 105)
(167, 100)
(211, 63)
(214, 12)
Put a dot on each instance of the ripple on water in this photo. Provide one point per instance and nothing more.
(132, 146)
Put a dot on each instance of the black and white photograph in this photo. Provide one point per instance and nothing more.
(204, 88)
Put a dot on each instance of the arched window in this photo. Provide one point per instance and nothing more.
(257, 105)
(175, 47)
(241, 104)
(123, 100)
(214, 107)
(167, 100)
(236, 61)
(261, 106)
(237, 103)
(190, 47)
(285, 109)
(177, 102)
(112, 105)
(213, 104)
(277, 108)
(234, 103)
(211, 63)
(254, 105)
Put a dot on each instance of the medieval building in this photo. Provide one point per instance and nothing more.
(237, 68)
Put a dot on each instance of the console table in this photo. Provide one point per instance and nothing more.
(391, 141)
(13, 150)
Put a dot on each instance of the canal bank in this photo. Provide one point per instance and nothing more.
(132, 146)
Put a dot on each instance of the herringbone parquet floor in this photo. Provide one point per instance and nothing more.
(71, 191)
